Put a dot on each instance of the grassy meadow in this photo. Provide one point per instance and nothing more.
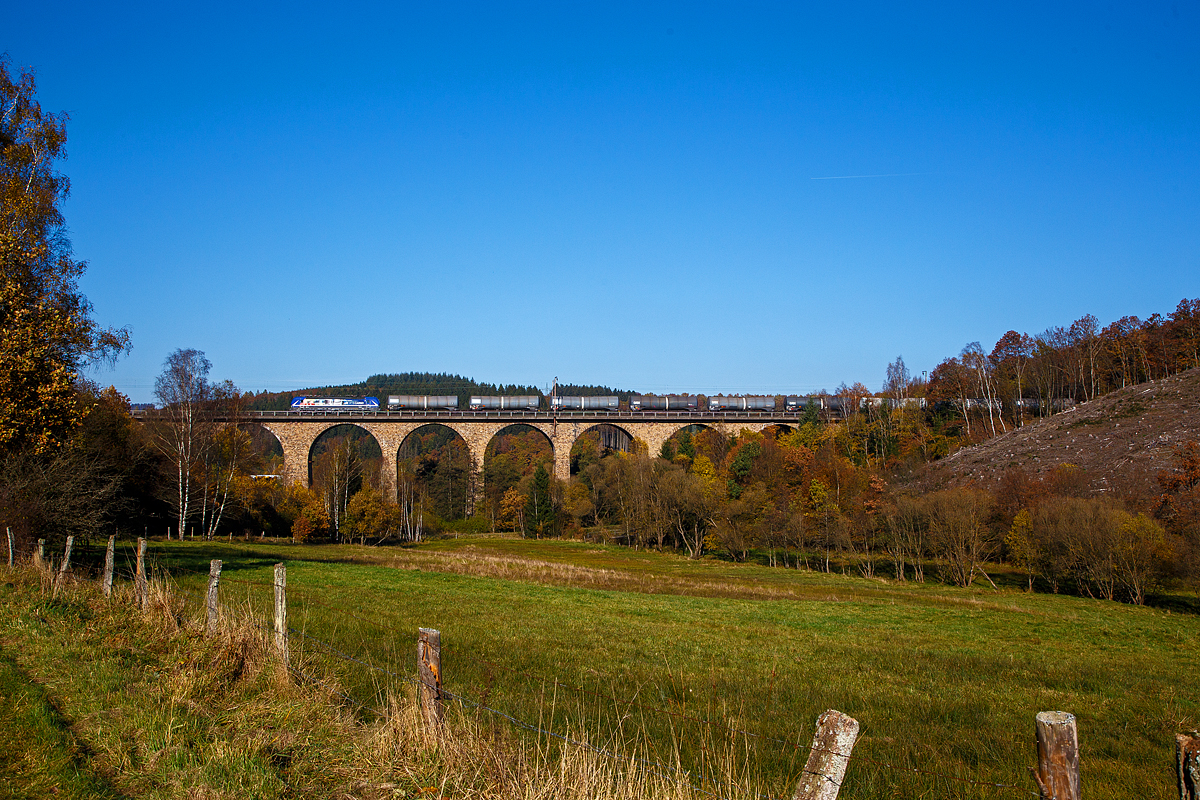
(724, 668)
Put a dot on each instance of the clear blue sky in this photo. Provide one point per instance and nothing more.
(651, 196)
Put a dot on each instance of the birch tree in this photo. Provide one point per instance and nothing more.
(183, 390)
(973, 358)
(1013, 352)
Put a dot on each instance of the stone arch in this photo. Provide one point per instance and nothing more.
(783, 427)
(406, 451)
(265, 442)
(622, 440)
(657, 435)
(385, 485)
(500, 429)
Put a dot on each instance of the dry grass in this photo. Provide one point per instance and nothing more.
(468, 561)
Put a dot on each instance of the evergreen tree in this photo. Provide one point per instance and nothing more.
(539, 509)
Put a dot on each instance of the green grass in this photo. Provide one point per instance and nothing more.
(155, 710)
(40, 756)
(704, 658)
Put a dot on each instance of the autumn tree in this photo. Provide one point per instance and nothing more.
(47, 334)
(1179, 505)
(1011, 355)
(226, 459)
(1186, 318)
(1141, 552)
(181, 428)
(741, 522)
(370, 514)
(908, 536)
(959, 532)
(338, 471)
(103, 478)
(689, 508)
(512, 510)
(974, 359)
(1023, 550)
(951, 382)
(303, 511)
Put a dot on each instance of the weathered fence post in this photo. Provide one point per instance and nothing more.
(65, 567)
(429, 675)
(40, 559)
(281, 632)
(832, 743)
(214, 579)
(1057, 773)
(109, 559)
(1187, 759)
(139, 580)
(10, 548)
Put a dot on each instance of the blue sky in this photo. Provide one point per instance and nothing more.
(655, 197)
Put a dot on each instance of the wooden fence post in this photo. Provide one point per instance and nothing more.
(429, 675)
(281, 632)
(10, 548)
(139, 581)
(65, 567)
(40, 559)
(832, 743)
(1057, 773)
(1187, 759)
(214, 579)
(109, 558)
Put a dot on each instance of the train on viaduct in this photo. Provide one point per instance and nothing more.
(298, 428)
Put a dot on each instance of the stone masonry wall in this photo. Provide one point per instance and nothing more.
(297, 438)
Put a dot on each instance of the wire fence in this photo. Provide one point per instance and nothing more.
(314, 652)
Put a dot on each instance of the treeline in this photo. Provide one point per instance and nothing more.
(587, 390)
(1024, 374)
(420, 383)
(792, 500)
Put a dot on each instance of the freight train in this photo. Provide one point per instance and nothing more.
(421, 402)
(608, 402)
(666, 402)
(335, 404)
(637, 402)
(519, 402)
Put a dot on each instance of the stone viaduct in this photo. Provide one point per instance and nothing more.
(297, 432)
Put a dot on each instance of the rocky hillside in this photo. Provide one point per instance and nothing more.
(1120, 440)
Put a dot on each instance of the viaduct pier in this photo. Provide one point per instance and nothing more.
(297, 431)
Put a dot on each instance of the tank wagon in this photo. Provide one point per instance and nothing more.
(413, 402)
(335, 404)
(596, 403)
(637, 402)
(520, 402)
(665, 402)
(722, 402)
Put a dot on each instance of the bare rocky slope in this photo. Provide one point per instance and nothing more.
(1120, 440)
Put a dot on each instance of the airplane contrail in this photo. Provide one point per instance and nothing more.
(888, 175)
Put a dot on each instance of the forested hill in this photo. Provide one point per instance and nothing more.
(579, 390)
(418, 383)
(1114, 444)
